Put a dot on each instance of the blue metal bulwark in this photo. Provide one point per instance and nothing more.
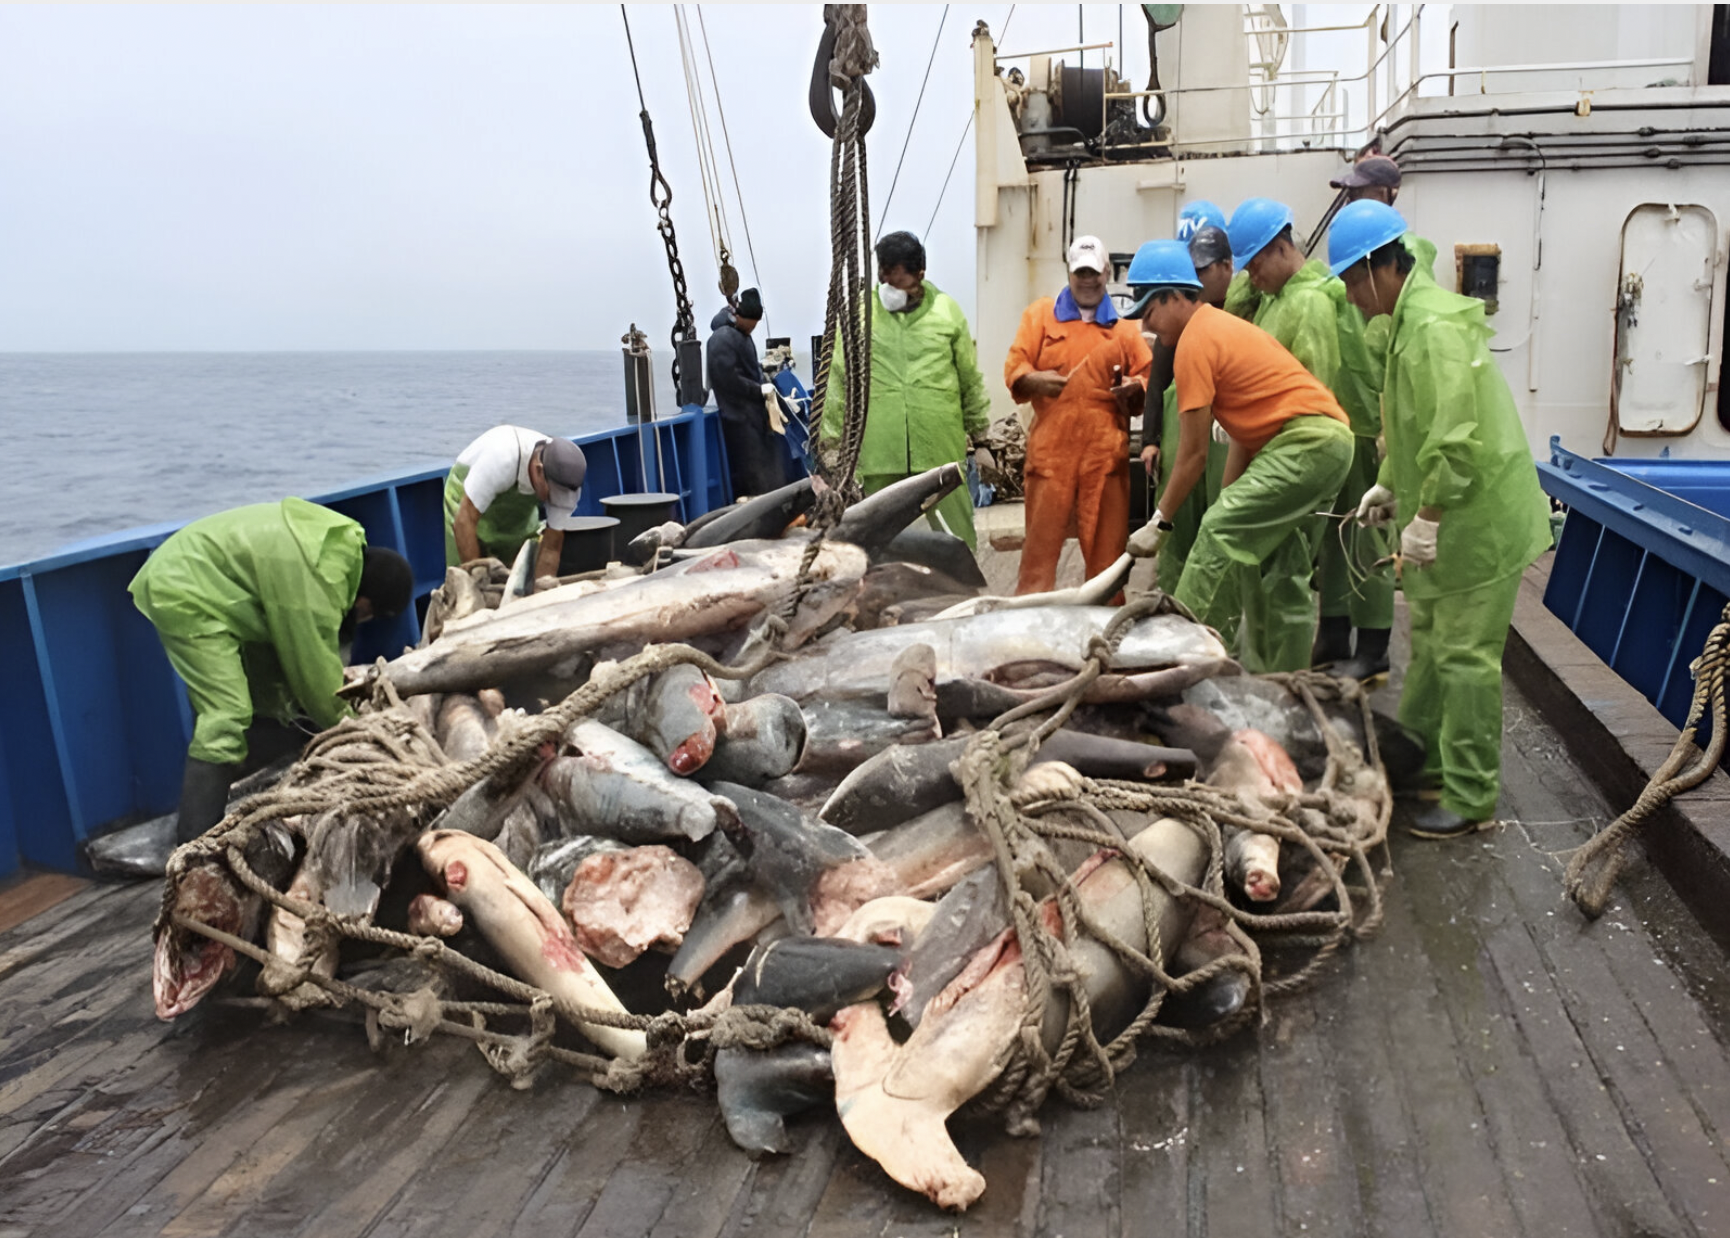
(94, 723)
(1642, 572)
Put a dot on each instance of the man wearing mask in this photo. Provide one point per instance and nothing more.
(1305, 308)
(495, 491)
(755, 456)
(251, 606)
(1460, 482)
(1083, 369)
(928, 398)
(1291, 448)
(1210, 250)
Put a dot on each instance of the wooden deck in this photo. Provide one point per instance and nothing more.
(1488, 1065)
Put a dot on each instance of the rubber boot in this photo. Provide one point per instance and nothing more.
(203, 797)
(1436, 822)
(1371, 657)
(1333, 640)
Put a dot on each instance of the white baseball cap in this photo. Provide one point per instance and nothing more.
(1089, 252)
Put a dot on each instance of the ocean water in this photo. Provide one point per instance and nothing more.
(99, 442)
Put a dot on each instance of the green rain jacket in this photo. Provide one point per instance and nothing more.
(282, 575)
(1455, 441)
(1319, 326)
(927, 394)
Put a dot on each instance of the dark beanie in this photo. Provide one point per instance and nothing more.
(387, 581)
(750, 304)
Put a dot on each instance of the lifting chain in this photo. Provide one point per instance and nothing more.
(661, 198)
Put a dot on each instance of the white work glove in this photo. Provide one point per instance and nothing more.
(1418, 542)
(772, 407)
(1219, 434)
(1145, 542)
(1377, 507)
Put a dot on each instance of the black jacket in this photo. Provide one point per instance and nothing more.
(735, 373)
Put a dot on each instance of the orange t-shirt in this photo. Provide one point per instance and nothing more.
(1254, 385)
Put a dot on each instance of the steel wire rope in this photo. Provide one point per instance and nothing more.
(908, 140)
(661, 198)
(714, 203)
(727, 138)
(964, 132)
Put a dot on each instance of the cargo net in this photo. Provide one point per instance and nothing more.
(383, 775)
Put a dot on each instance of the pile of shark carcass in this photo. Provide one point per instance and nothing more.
(800, 838)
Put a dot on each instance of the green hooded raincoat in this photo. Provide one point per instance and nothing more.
(1455, 443)
(927, 397)
(248, 604)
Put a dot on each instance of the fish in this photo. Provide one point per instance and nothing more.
(818, 975)
(621, 903)
(1252, 864)
(456, 599)
(930, 853)
(815, 873)
(1097, 590)
(140, 850)
(758, 1090)
(650, 542)
(894, 920)
(677, 714)
(186, 965)
(894, 1100)
(934, 549)
(1007, 647)
(873, 522)
(764, 740)
(527, 931)
(887, 585)
(555, 863)
(766, 516)
(913, 685)
(462, 727)
(963, 922)
(1101, 756)
(285, 937)
(842, 734)
(349, 858)
(432, 916)
(521, 582)
(714, 593)
(730, 914)
(616, 788)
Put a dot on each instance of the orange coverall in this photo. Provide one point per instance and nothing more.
(1078, 446)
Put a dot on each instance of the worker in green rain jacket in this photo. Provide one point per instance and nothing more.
(927, 395)
(250, 606)
(1305, 307)
(1460, 481)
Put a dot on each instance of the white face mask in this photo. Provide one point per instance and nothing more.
(894, 300)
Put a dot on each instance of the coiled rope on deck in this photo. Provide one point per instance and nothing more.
(1593, 870)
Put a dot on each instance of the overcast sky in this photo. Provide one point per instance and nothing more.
(442, 177)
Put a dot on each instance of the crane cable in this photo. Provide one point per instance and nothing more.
(715, 205)
(907, 141)
(727, 138)
(964, 132)
(661, 198)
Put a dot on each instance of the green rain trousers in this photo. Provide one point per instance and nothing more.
(248, 604)
(1456, 444)
(511, 519)
(1252, 555)
(1319, 326)
(927, 397)
(1186, 520)
(1453, 692)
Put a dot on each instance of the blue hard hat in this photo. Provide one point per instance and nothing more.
(1156, 265)
(1256, 222)
(1197, 215)
(1360, 229)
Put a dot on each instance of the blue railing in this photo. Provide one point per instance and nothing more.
(94, 723)
(1642, 571)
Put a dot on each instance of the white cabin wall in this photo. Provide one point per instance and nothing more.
(1563, 388)
(1515, 34)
